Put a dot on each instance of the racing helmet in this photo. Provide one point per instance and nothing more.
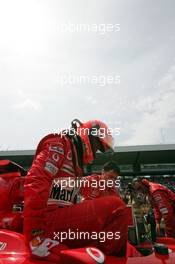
(95, 135)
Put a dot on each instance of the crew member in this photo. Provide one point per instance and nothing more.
(102, 185)
(163, 201)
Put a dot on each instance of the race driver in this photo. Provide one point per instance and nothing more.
(163, 201)
(50, 209)
(105, 184)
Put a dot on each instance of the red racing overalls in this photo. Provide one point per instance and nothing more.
(163, 201)
(50, 208)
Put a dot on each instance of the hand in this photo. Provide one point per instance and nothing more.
(48, 249)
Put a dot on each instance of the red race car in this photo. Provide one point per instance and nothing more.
(14, 251)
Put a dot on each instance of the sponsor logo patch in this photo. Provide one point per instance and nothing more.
(55, 157)
(57, 149)
(164, 210)
(96, 255)
(69, 155)
(50, 167)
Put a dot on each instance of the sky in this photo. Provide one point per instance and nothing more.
(112, 60)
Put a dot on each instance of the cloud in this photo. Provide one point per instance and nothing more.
(25, 102)
(28, 104)
(157, 113)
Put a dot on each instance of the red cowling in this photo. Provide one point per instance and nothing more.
(11, 190)
(14, 251)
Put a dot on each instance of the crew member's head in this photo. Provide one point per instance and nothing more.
(140, 185)
(95, 135)
(110, 170)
